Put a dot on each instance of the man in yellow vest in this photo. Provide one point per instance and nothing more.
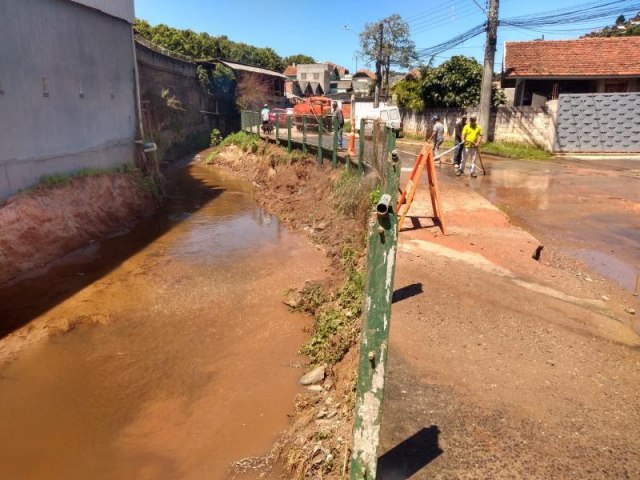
(471, 136)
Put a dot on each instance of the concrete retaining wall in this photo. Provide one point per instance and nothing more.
(530, 125)
(66, 90)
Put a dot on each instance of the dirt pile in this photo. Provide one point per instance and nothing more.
(42, 225)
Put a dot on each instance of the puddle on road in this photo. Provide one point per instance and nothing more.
(594, 214)
(191, 367)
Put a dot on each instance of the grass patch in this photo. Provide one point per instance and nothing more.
(349, 193)
(516, 150)
(246, 141)
(413, 137)
(336, 325)
(59, 179)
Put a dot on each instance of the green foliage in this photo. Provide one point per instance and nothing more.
(516, 150)
(205, 46)
(621, 28)
(455, 83)
(215, 138)
(347, 127)
(170, 100)
(409, 94)
(246, 141)
(336, 326)
(349, 193)
(211, 158)
(298, 59)
(374, 196)
(59, 179)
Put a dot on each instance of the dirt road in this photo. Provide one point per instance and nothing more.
(501, 366)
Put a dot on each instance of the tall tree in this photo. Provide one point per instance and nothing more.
(298, 59)
(204, 46)
(393, 48)
(453, 84)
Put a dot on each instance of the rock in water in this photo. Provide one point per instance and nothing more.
(314, 376)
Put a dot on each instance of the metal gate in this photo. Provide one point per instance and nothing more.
(598, 122)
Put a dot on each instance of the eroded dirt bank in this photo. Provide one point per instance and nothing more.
(501, 366)
(42, 225)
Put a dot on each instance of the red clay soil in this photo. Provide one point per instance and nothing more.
(500, 366)
(42, 225)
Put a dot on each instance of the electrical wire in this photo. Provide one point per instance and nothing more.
(571, 15)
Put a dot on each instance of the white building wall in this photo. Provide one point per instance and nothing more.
(122, 9)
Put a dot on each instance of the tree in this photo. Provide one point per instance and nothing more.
(453, 84)
(621, 28)
(251, 92)
(394, 49)
(204, 46)
(408, 93)
(298, 59)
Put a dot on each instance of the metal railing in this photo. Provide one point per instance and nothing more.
(321, 133)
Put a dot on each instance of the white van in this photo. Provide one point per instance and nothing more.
(389, 116)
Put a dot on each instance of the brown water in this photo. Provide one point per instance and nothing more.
(190, 365)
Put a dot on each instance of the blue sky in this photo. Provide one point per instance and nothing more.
(317, 29)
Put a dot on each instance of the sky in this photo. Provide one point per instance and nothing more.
(318, 29)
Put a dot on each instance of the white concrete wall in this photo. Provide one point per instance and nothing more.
(66, 90)
(122, 9)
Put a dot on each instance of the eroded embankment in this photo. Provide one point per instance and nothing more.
(42, 225)
(332, 206)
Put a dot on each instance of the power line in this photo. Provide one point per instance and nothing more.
(572, 15)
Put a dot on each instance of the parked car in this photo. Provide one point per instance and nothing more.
(281, 114)
(389, 116)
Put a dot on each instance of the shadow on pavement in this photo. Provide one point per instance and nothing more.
(407, 292)
(410, 456)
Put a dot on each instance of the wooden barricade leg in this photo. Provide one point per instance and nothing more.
(424, 161)
(435, 194)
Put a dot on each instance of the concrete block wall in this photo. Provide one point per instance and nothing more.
(66, 91)
(529, 125)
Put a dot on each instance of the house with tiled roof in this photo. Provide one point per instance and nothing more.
(541, 70)
(363, 81)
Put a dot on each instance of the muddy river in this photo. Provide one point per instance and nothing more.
(174, 355)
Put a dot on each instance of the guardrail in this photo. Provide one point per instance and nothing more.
(321, 133)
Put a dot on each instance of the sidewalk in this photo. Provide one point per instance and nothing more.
(502, 366)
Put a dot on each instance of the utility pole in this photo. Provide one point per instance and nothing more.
(487, 74)
(376, 96)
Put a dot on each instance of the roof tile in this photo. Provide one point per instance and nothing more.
(586, 57)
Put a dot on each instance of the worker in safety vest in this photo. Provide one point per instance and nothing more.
(471, 136)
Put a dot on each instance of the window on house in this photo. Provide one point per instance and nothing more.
(303, 76)
(316, 76)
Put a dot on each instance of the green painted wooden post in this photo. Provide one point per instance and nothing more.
(277, 129)
(320, 126)
(242, 120)
(304, 134)
(334, 155)
(289, 133)
(361, 147)
(256, 122)
(383, 239)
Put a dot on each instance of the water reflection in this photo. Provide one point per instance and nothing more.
(189, 368)
(592, 211)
